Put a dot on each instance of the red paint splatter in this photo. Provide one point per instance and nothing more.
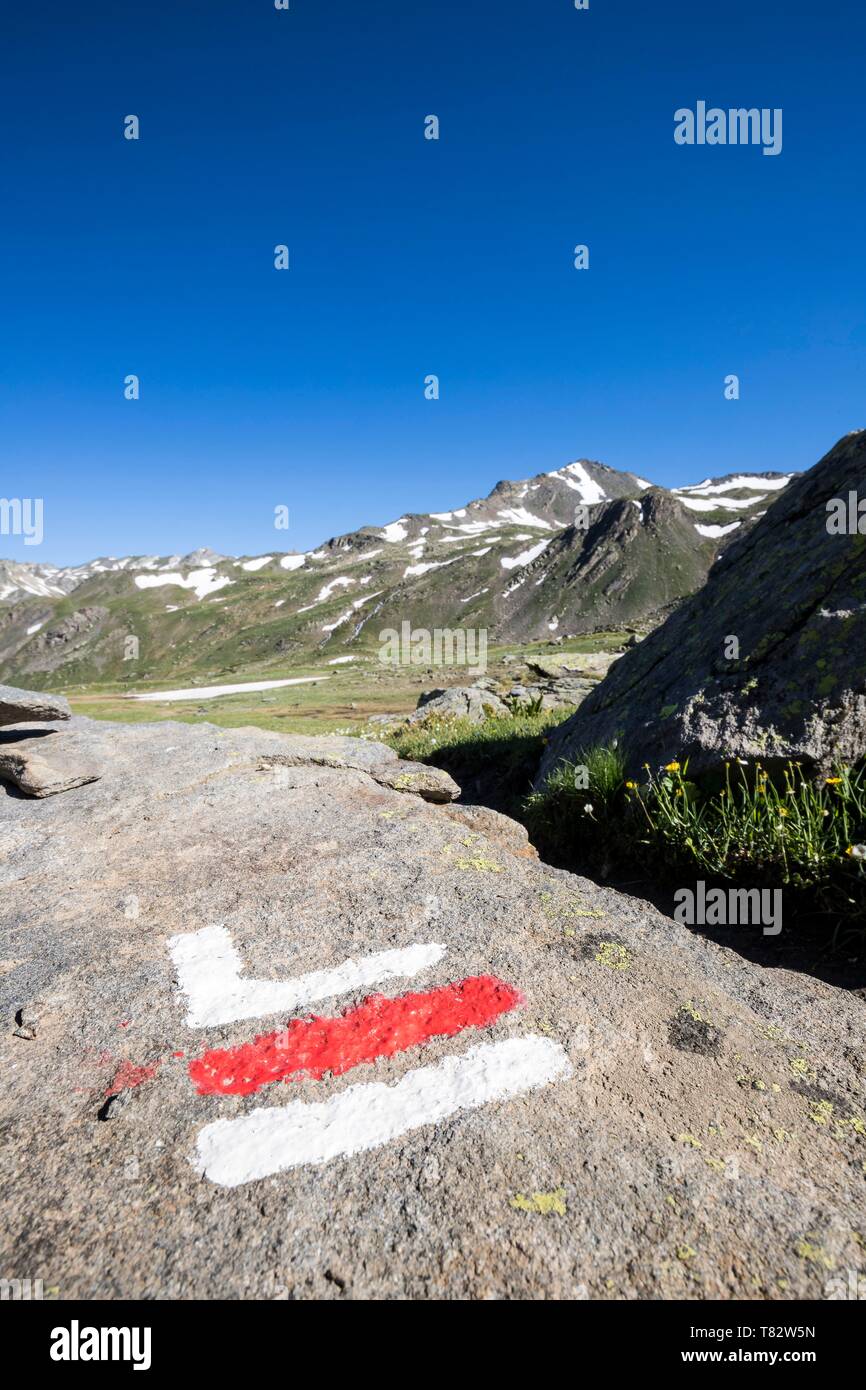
(177, 1054)
(128, 1075)
(378, 1027)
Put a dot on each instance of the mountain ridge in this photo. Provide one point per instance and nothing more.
(568, 550)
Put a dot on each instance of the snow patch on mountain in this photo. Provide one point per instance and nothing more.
(728, 504)
(715, 531)
(741, 480)
(510, 562)
(521, 517)
(412, 570)
(202, 582)
(575, 476)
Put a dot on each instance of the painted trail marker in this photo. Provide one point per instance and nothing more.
(378, 1027)
(369, 1114)
(209, 974)
(231, 1152)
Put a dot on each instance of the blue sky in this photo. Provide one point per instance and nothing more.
(305, 388)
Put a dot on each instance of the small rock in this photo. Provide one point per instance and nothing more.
(23, 706)
(430, 783)
(46, 764)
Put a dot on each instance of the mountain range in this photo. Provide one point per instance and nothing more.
(581, 548)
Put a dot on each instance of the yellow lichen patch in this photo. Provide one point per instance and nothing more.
(820, 1112)
(690, 1140)
(542, 1203)
(717, 1164)
(774, 1033)
(614, 956)
(753, 1142)
(569, 908)
(689, 1008)
(807, 1249)
(751, 1083)
(685, 1253)
(482, 866)
(781, 1136)
(801, 1068)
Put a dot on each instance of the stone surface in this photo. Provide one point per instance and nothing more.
(378, 759)
(498, 829)
(46, 763)
(418, 779)
(472, 702)
(553, 694)
(25, 706)
(793, 595)
(708, 1141)
(592, 665)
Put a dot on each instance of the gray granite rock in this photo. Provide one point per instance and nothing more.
(473, 702)
(45, 764)
(25, 706)
(704, 1138)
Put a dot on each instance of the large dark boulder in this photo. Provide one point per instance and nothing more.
(767, 661)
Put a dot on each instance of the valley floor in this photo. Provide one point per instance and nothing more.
(333, 699)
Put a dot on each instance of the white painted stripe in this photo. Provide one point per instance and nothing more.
(208, 968)
(266, 1141)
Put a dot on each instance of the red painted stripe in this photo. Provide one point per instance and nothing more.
(378, 1027)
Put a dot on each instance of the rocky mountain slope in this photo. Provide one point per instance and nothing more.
(766, 661)
(592, 1102)
(572, 550)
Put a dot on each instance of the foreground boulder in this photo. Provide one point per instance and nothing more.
(28, 706)
(41, 762)
(767, 661)
(582, 1099)
(47, 763)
